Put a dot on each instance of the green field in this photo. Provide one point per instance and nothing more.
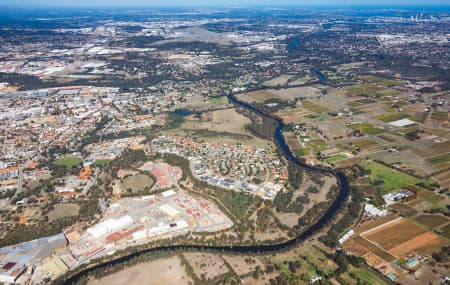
(367, 128)
(102, 162)
(313, 107)
(69, 161)
(366, 277)
(300, 151)
(393, 117)
(318, 145)
(335, 158)
(365, 144)
(217, 100)
(391, 179)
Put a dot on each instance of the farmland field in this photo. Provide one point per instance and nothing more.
(425, 243)
(432, 221)
(366, 128)
(446, 231)
(313, 107)
(403, 209)
(394, 234)
(392, 117)
(335, 158)
(439, 115)
(318, 145)
(440, 161)
(300, 152)
(365, 144)
(392, 179)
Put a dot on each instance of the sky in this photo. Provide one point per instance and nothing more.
(222, 2)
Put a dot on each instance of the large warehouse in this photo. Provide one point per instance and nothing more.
(109, 226)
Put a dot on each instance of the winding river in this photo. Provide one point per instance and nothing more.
(319, 224)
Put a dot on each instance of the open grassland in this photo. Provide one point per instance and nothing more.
(293, 115)
(168, 271)
(277, 81)
(63, 211)
(391, 179)
(257, 96)
(69, 161)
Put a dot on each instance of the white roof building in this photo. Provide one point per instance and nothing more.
(374, 211)
(169, 210)
(109, 226)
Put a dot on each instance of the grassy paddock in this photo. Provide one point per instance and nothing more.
(69, 161)
(392, 179)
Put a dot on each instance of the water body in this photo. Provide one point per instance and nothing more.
(318, 74)
(182, 112)
(327, 216)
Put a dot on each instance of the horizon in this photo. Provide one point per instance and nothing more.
(230, 4)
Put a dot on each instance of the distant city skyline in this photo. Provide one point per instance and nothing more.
(197, 3)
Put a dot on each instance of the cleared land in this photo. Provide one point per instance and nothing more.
(425, 243)
(167, 271)
(63, 210)
(394, 234)
(136, 183)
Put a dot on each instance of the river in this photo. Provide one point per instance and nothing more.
(280, 141)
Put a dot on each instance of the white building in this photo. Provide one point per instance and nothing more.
(109, 226)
